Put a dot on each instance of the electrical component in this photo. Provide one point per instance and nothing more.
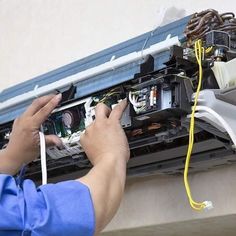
(70, 118)
(70, 122)
(219, 39)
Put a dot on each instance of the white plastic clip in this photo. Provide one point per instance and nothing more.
(35, 90)
(208, 205)
(168, 36)
(112, 59)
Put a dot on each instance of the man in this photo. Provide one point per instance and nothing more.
(80, 207)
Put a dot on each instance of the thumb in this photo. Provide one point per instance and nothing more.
(117, 112)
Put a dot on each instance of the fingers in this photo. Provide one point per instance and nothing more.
(118, 110)
(44, 112)
(37, 105)
(53, 140)
(102, 111)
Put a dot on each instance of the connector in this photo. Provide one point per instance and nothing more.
(208, 205)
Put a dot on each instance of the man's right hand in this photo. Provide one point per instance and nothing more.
(105, 138)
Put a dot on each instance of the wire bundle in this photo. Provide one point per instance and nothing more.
(138, 106)
(198, 53)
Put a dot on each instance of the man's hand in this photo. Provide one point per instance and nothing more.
(105, 138)
(107, 148)
(24, 143)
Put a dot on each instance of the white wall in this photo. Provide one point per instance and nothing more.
(37, 36)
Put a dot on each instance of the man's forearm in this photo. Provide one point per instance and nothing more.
(8, 164)
(106, 182)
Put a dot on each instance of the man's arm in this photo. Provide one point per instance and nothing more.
(7, 164)
(106, 146)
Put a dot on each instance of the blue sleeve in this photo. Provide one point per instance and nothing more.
(65, 208)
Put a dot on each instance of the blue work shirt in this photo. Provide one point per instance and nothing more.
(64, 208)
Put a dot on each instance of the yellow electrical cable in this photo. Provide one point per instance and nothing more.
(195, 205)
(108, 95)
(208, 49)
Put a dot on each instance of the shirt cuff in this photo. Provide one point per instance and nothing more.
(65, 208)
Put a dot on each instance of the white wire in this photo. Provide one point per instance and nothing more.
(134, 100)
(43, 157)
(161, 15)
(221, 120)
(134, 103)
(131, 100)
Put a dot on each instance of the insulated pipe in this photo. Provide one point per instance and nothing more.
(97, 70)
(222, 121)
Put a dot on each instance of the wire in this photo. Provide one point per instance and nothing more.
(43, 157)
(138, 106)
(229, 130)
(195, 205)
(208, 50)
(147, 39)
(108, 95)
(161, 14)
